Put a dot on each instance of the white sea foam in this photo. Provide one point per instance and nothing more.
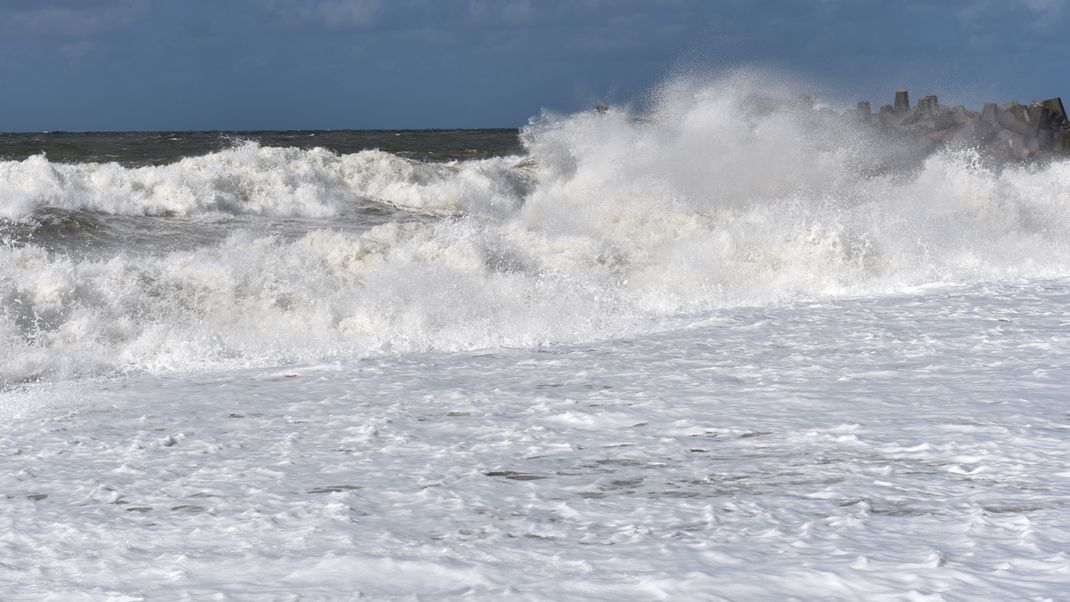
(249, 179)
(884, 447)
(889, 448)
(610, 226)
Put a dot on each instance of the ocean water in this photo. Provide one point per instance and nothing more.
(714, 348)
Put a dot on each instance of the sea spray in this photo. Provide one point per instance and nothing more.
(249, 179)
(608, 225)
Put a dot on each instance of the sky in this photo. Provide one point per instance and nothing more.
(321, 64)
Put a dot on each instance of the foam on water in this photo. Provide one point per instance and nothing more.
(868, 448)
(249, 179)
(611, 225)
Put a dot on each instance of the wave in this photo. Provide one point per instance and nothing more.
(614, 225)
(249, 179)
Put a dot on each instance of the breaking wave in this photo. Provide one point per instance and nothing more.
(611, 224)
(249, 179)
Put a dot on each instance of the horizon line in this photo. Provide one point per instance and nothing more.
(257, 130)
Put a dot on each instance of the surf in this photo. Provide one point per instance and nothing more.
(607, 225)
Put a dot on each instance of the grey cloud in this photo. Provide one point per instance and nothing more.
(77, 49)
(348, 13)
(333, 14)
(1049, 7)
(417, 14)
(1043, 13)
(510, 12)
(64, 19)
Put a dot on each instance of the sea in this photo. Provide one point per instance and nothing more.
(699, 349)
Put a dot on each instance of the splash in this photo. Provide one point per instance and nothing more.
(723, 194)
(252, 180)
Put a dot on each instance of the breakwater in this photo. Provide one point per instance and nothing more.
(1011, 131)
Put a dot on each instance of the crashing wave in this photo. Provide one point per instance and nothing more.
(249, 179)
(610, 226)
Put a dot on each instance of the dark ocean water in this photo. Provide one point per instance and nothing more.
(133, 149)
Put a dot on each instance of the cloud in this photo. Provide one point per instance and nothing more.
(511, 12)
(64, 20)
(340, 14)
(409, 14)
(333, 14)
(1040, 8)
(77, 49)
(997, 17)
(1046, 7)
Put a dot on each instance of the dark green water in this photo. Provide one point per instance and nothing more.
(158, 148)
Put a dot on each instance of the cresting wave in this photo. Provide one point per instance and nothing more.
(611, 225)
(252, 180)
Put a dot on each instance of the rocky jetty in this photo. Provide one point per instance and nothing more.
(1011, 131)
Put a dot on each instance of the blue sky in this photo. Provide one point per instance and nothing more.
(287, 64)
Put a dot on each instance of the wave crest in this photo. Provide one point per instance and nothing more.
(611, 225)
(249, 179)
